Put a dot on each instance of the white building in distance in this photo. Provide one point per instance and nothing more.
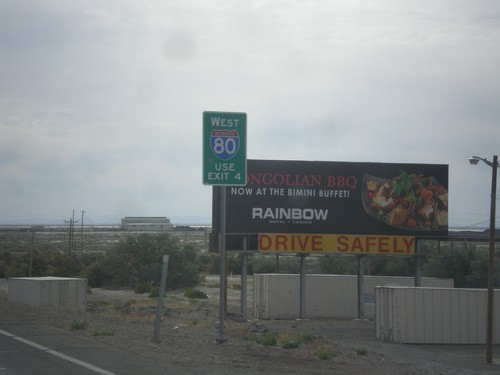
(146, 224)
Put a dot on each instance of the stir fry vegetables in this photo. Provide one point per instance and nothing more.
(409, 201)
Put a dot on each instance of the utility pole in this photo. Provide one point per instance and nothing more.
(71, 242)
(31, 250)
(72, 232)
(81, 251)
(70, 221)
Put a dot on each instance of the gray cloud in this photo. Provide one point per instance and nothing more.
(100, 103)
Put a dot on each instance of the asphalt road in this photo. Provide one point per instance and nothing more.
(26, 348)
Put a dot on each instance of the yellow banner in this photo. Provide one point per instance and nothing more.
(336, 243)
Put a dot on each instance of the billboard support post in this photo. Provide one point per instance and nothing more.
(244, 256)
(418, 265)
(302, 287)
(222, 268)
(361, 287)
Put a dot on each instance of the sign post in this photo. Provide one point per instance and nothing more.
(161, 295)
(224, 164)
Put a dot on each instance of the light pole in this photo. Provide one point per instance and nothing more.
(491, 260)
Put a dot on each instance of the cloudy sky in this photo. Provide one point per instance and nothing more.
(101, 101)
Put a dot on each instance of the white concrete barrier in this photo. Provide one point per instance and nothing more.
(48, 291)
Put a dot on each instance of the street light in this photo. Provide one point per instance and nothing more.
(491, 261)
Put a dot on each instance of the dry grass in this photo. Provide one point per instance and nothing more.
(195, 323)
(237, 331)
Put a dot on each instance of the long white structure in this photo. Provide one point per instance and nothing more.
(277, 296)
(434, 315)
(48, 291)
(146, 224)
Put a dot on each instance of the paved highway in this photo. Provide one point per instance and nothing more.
(27, 348)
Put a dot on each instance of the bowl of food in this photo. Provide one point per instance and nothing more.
(408, 201)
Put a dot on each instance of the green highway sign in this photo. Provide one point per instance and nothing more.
(224, 148)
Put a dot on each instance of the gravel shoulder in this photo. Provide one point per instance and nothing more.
(189, 329)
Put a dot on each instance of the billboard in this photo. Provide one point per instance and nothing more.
(347, 198)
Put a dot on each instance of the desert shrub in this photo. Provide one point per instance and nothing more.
(142, 288)
(251, 338)
(384, 265)
(289, 264)
(63, 265)
(185, 271)
(269, 339)
(204, 260)
(47, 263)
(5, 260)
(338, 264)
(292, 340)
(3, 269)
(19, 265)
(98, 305)
(212, 266)
(195, 294)
(255, 264)
(154, 292)
(262, 264)
(324, 353)
(107, 270)
(104, 332)
(138, 259)
(149, 272)
(78, 325)
(455, 264)
(361, 351)
(478, 278)
(95, 275)
(290, 344)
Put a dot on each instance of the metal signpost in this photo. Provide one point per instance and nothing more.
(224, 164)
(161, 295)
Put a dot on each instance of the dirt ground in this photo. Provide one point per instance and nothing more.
(189, 332)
